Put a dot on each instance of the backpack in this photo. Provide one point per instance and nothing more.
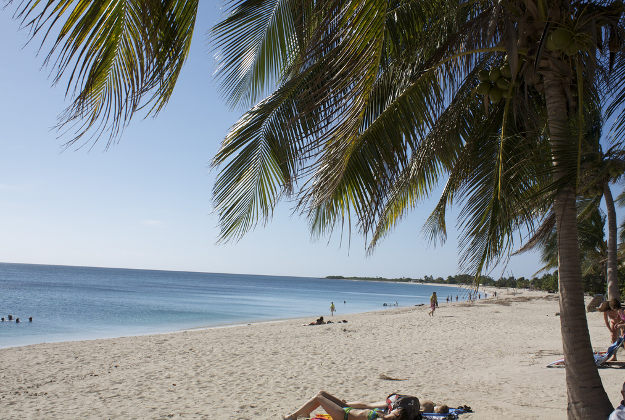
(410, 405)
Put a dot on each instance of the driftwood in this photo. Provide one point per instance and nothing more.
(388, 378)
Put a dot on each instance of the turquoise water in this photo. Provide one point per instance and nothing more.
(78, 303)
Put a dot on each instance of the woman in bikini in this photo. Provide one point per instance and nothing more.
(406, 409)
(614, 319)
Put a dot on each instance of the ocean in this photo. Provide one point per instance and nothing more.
(81, 303)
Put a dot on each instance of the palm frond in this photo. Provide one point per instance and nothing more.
(260, 157)
(255, 44)
(118, 56)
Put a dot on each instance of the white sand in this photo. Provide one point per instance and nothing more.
(489, 356)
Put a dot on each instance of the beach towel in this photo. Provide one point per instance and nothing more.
(600, 357)
(321, 417)
(452, 415)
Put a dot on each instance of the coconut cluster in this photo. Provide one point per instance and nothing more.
(568, 42)
(495, 83)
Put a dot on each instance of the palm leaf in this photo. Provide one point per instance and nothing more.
(117, 56)
(256, 43)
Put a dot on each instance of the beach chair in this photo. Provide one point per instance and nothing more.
(600, 357)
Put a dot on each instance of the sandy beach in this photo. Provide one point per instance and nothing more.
(490, 355)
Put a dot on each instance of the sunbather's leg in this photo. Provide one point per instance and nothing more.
(615, 334)
(332, 398)
(304, 411)
(332, 408)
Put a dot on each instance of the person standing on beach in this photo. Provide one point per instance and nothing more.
(332, 308)
(613, 320)
(433, 304)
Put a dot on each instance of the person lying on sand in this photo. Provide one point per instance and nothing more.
(396, 407)
(319, 321)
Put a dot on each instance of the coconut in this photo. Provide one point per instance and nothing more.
(483, 75)
(483, 88)
(495, 94)
(502, 83)
(494, 74)
(614, 172)
(571, 49)
(562, 38)
(551, 44)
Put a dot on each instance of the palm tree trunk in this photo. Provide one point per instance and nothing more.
(613, 289)
(586, 397)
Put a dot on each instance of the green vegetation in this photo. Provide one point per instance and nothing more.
(547, 282)
(593, 283)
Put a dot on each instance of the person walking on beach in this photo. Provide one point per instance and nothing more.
(332, 308)
(433, 304)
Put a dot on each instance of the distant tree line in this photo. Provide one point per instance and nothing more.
(593, 283)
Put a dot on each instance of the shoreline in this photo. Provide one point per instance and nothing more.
(490, 355)
(267, 321)
(219, 326)
(229, 324)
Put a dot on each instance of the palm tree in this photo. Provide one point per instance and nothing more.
(592, 243)
(371, 95)
(363, 87)
(598, 170)
(602, 170)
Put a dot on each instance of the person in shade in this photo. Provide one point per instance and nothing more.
(433, 304)
(611, 317)
(619, 412)
(396, 407)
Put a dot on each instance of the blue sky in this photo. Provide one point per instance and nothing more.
(146, 202)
